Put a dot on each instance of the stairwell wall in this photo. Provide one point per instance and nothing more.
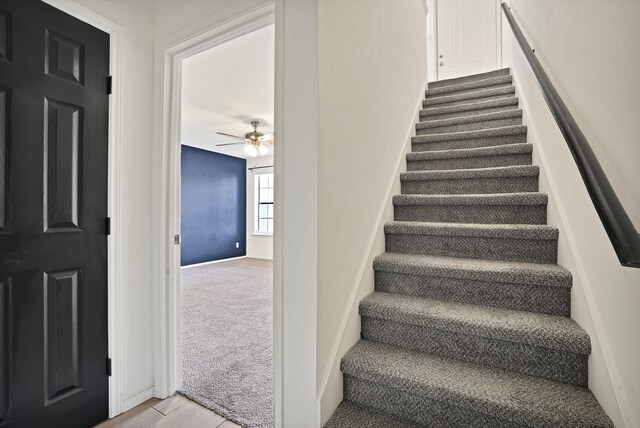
(372, 77)
(590, 51)
(605, 295)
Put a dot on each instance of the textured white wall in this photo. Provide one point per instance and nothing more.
(373, 69)
(605, 295)
(590, 51)
(258, 246)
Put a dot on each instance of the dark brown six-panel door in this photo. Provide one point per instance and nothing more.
(53, 206)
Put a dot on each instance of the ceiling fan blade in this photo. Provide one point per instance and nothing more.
(228, 144)
(230, 135)
(267, 136)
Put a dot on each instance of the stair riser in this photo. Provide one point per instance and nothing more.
(487, 124)
(551, 300)
(471, 143)
(468, 98)
(559, 366)
(471, 162)
(471, 186)
(426, 411)
(484, 214)
(466, 79)
(432, 117)
(483, 83)
(515, 250)
(464, 91)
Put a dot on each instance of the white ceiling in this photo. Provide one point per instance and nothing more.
(226, 87)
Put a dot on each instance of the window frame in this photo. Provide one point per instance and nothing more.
(257, 203)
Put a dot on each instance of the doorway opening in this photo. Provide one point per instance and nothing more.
(226, 211)
(465, 37)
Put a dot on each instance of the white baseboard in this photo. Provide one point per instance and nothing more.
(137, 399)
(259, 257)
(214, 261)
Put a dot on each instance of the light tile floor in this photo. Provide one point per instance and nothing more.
(173, 412)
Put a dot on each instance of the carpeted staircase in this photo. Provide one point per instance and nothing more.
(469, 324)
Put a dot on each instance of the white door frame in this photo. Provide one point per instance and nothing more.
(434, 22)
(166, 305)
(116, 35)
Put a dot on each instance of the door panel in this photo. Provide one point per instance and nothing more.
(62, 337)
(53, 205)
(62, 152)
(467, 37)
(5, 347)
(5, 106)
(5, 35)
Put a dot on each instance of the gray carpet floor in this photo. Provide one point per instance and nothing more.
(227, 351)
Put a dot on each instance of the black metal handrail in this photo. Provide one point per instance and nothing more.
(623, 235)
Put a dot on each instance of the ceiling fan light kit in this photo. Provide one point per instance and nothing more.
(251, 150)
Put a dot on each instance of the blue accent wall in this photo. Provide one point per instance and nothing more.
(213, 206)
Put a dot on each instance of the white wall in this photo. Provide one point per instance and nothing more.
(258, 246)
(177, 19)
(590, 51)
(372, 77)
(605, 295)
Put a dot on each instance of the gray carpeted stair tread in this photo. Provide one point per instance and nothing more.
(549, 275)
(505, 114)
(528, 207)
(470, 153)
(521, 243)
(471, 96)
(352, 415)
(486, 199)
(470, 158)
(437, 112)
(512, 397)
(470, 122)
(470, 173)
(543, 293)
(547, 331)
(468, 135)
(511, 231)
(469, 78)
(475, 84)
(501, 179)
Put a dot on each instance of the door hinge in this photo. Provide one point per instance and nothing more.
(108, 225)
(176, 239)
(108, 366)
(109, 85)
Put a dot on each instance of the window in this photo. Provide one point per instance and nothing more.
(264, 204)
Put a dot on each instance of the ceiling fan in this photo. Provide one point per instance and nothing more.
(256, 142)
